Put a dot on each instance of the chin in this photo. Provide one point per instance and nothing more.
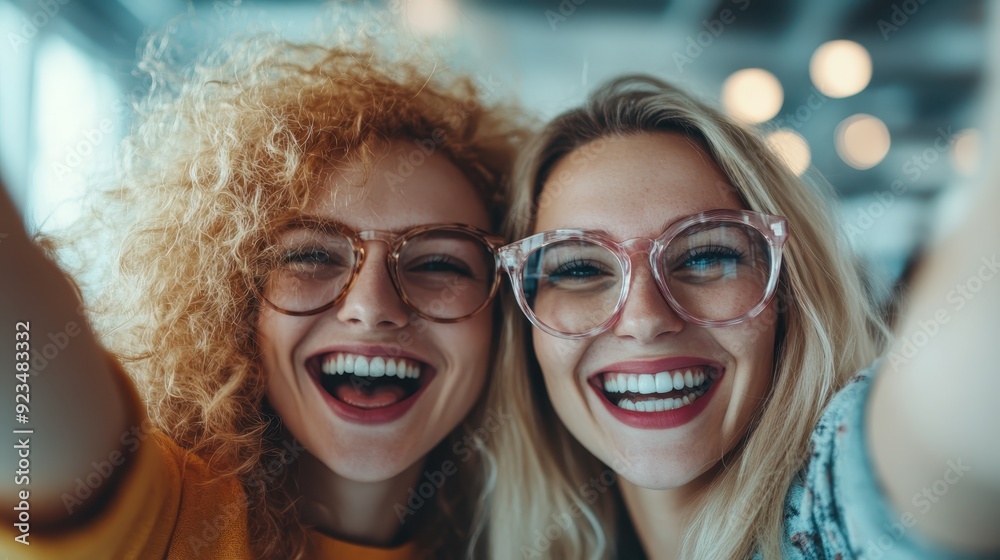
(371, 465)
(661, 470)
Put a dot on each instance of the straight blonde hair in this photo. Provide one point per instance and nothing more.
(543, 501)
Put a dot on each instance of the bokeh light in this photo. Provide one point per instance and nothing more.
(431, 17)
(862, 141)
(840, 68)
(752, 95)
(792, 148)
(966, 152)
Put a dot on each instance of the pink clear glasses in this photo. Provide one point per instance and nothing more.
(714, 269)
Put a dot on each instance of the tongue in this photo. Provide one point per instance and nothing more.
(376, 397)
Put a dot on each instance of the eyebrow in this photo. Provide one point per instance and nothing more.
(306, 221)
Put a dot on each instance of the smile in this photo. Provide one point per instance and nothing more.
(369, 389)
(645, 398)
(665, 390)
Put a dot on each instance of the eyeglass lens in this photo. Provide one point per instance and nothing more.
(715, 271)
(443, 274)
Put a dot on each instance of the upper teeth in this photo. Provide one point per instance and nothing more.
(647, 383)
(341, 362)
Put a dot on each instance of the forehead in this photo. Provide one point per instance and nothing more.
(633, 186)
(404, 187)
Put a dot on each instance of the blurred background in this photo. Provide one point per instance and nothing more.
(881, 97)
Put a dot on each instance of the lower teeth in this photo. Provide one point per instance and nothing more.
(657, 405)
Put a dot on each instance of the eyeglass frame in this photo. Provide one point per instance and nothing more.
(395, 241)
(513, 257)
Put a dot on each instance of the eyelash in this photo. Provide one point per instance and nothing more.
(446, 260)
(575, 265)
(713, 250)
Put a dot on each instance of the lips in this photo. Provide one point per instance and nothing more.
(367, 385)
(657, 394)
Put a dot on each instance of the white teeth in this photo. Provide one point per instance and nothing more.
(361, 366)
(657, 405)
(375, 366)
(643, 384)
(664, 382)
(633, 383)
(647, 384)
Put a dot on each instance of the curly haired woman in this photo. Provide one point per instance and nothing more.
(304, 299)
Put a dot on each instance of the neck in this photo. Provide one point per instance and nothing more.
(661, 517)
(360, 512)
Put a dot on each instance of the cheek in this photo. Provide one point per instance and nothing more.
(758, 335)
(277, 336)
(468, 345)
(557, 358)
(752, 345)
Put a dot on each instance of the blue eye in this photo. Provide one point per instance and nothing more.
(708, 258)
(576, 269)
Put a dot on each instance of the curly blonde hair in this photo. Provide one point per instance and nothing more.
(221, 149)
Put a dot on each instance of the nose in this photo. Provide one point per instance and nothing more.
(646, 314)
(372, 302)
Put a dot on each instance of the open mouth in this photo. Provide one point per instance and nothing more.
(369, 382)
(656, 392)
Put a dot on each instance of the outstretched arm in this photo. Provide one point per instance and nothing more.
(934, 416)
(73, 405)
